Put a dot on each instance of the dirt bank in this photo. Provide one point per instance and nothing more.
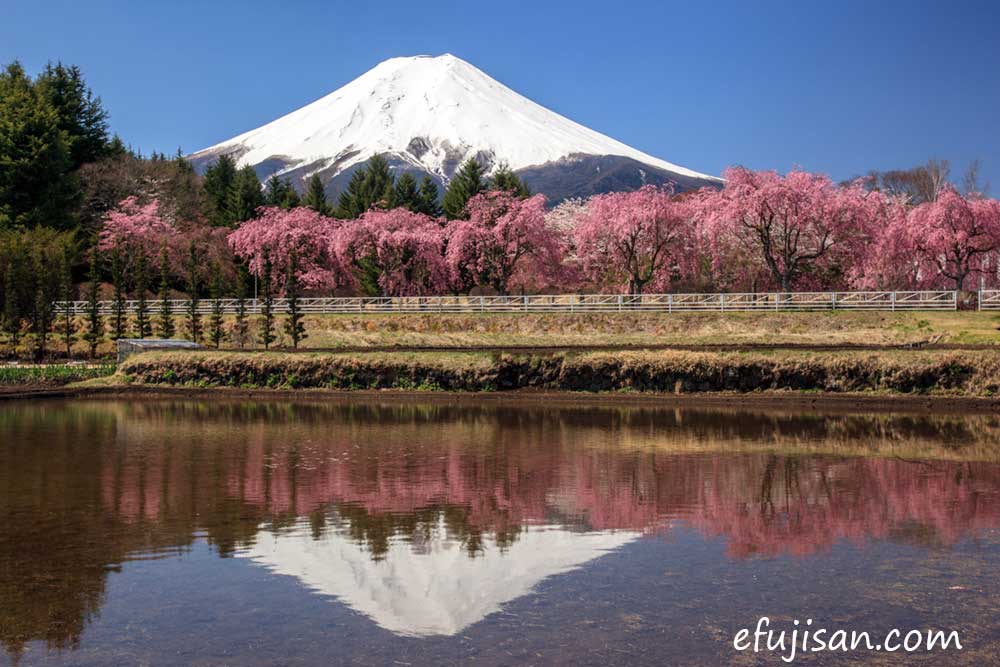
(919, 373)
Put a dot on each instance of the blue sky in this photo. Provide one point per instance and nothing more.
(838, 87)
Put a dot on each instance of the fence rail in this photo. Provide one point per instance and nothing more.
(989, 299)
(569, 303)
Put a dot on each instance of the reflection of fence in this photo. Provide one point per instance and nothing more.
(575, 303)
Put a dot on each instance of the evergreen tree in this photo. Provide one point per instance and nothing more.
(267, 306)
(467, 183)
(41, 312)
(193, 321)
(166, 323)
(241, 328)
(429, 195)
(293, 322)
(95, 322)
(316, 196)
(245, 197)
(118, 311)
(37, 187)
(405, 193)
(279, 192)
(66, 296)
(216, 331)
(378, 182)
(80, 115)
(143, 327)
(369, 186)
(505, 180)
(11, 309)
(218, 184)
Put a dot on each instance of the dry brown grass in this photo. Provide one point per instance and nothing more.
(953, 373)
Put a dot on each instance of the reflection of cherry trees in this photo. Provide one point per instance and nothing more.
(490, 475)
(84, 489)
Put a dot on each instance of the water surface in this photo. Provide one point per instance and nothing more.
(175, 532)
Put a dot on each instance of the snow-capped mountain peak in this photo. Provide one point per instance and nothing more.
(429, 114)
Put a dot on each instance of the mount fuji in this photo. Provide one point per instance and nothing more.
(427, 115)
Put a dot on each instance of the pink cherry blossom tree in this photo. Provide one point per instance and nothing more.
(889, 261)
(634, 240)
(400, 251)
(136, 225)
(275, 233)
(145, 228)
(505, 243)
(956, 238)
(802, 227)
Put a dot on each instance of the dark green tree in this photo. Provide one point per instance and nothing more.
(95, 321)
(218, 184)
(143, 326)
(118, 309)
(82, 118)
(429, 195)
(216, 332)
(245, 197)
(66, 295)
(192, 322)
(315, 197)
(294, 326)
(166, 321)
(37, 186)
(506, 180)
(267, 306)
(11, 307)
(467, 183)
(241, 327)
(279, 192)
(42, 312)
(370, 185)
(405, 193)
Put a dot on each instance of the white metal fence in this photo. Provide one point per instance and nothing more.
(572, 303)
(989, 299)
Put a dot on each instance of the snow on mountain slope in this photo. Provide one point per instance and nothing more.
(426, 114)
(439, 590)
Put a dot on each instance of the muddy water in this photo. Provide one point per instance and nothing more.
(227, 533)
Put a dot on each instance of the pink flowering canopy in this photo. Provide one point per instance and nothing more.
(955, 238)
(143, 228)
(634, 240)
(505, 243)
(139, 226)
(405, 248)
(938, 244)
(276, 232)
(801, 228)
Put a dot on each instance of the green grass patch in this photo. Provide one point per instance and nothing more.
(52, 374)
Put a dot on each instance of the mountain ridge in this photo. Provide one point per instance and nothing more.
(427, 115)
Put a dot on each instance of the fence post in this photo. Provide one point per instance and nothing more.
(979, 300)
(893, 296)
(834, 300)
(621, 300)
(722, 302)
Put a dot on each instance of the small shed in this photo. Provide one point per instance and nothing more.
(129, 346)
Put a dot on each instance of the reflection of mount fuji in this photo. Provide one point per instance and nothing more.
(437, 589)
(450, 508)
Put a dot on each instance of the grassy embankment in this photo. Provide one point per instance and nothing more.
(632, 329)
(949, 373)
(881, 372)
(52, 375)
